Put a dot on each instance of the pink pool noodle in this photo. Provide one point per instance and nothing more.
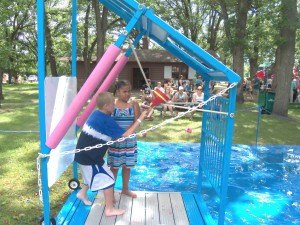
(83, 95)
(104, 87)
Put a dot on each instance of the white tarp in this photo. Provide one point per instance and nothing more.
(59, 94)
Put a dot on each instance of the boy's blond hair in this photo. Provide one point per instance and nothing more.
(103, 99)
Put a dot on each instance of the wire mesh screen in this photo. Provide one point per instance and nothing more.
(215, 132)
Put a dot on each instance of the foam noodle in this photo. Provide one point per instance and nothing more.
(104, 87)
(83, 95)
(160, 98)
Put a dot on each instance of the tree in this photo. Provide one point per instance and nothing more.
(101, 27)
(285, 56)
(96, 29)
(16, 20)
(49, 50)
(235, 14)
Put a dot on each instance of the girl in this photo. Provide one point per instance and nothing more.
(166, 107)
(124, 154)
(198, 97)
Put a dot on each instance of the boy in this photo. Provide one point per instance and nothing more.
(99, 129)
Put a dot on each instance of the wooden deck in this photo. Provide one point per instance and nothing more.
(149, 208)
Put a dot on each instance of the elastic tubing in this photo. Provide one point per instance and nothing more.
(83, 95)
(111, 77)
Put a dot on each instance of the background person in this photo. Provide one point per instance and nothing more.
(168, 107)
(147, 98)
(180, 97)
(197, 98)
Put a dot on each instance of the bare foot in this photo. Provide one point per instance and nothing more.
(129, 193)
(114, 212)
(82, 196)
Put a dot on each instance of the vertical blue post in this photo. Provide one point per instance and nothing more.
(74, 38)
(227, 149)
(203, 138)
(42, 120)
(259, 108)
(74, 62)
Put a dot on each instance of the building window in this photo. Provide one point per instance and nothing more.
(179, 70)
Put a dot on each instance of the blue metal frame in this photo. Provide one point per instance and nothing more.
(42, 120)
(132, 23)
(74, 38)
(74, 63)
(41, 87)
(215, 141)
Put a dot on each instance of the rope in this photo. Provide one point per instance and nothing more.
(200, 110)
(13, 104)
(19, 131)
(140, 66)
(248, 109)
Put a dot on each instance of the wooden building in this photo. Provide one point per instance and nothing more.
(157, 64)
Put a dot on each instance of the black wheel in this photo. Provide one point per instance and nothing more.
(52, 221)
(73, 184)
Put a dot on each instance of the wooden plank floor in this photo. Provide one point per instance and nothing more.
(149, 208)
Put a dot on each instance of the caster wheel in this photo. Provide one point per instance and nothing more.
(73, 184)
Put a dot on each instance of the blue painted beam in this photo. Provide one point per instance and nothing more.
(74, 38)
(130, 26)
(68, 205)
(42, 120)
(133, 4)
(82, 211)
(192, 210)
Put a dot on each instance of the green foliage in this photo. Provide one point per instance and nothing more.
(18, 152)
(16, 23)
(18, 39)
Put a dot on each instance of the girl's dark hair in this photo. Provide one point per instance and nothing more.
(120, 84)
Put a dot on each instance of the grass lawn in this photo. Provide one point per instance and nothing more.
(18, 150)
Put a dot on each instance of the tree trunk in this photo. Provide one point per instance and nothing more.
(86, 43)
(101, 27)
(239, 46)
(286, 56)
(103, 30)
(274, 70)
(253, 59)
(235, 39)
(98, 26)
(213, 28)
(49, 50)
